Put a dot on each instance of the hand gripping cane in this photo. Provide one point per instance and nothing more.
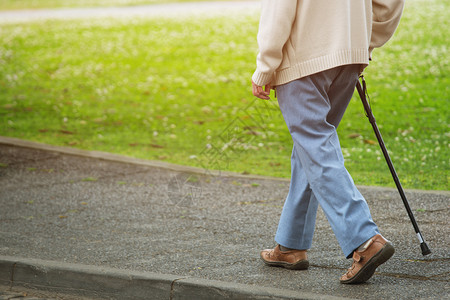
(362, 91)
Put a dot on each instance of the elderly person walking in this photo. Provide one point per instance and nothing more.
(312, 52)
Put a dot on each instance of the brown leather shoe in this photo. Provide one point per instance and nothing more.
(292, 259)
(378, 251)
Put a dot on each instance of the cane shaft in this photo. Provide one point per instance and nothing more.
(368, 110)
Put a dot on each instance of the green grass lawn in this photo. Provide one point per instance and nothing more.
(179, 91)
(37, 4)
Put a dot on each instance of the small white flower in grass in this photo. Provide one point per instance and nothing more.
(155, 133)
(345, 152)
(173, 136)
(260, 145)
(193, 157)
(208, 146)
(207, 110)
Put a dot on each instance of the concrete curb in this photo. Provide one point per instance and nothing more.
(165, 165)
(125, 159)
(100, 282)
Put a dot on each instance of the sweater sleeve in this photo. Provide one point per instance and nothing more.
(277, 18)
(385, 19)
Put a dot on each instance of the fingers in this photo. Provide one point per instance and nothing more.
(260, 92)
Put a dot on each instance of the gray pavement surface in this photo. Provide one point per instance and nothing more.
(6, 294)
(208, 8)
(21, 293)
(99, 225)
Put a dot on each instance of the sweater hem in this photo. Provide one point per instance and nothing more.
(319, 64)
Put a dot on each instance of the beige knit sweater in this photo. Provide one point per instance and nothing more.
(298, 38)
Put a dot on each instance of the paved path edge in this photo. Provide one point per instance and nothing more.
(165, 165)
(104, 282)
(125, 159)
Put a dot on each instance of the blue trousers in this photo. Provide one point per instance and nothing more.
(312, 107)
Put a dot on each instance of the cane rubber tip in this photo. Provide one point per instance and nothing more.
(425, 249)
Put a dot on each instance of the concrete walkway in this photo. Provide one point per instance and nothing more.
(98, 225)
(209, 8)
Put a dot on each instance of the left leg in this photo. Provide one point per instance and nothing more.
(298, 217)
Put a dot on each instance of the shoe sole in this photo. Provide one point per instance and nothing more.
(369, 268)
(300, 265)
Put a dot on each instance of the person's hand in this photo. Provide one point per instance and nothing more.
(260, 92)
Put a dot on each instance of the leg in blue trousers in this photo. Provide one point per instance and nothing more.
(312, 107)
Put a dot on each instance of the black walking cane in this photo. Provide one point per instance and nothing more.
(362, 91)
